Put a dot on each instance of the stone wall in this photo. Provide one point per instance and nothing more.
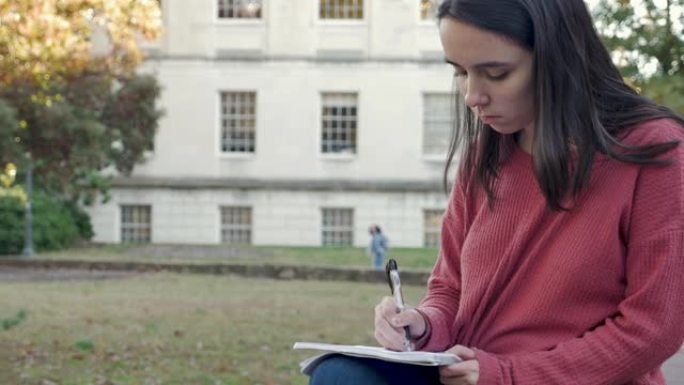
(286, 272)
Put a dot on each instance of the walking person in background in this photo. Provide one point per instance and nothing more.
(377, 247)
(562, 251)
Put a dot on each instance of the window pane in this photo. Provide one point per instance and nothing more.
(436, 123)
(337, 227)
(428, 9)
(340, 9)
(238, 122)
(136, 224)
(338, 122)
(236, 225)
(239, 9)
(432, 227)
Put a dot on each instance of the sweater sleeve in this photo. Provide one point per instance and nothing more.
(441, 302)
(647, 326)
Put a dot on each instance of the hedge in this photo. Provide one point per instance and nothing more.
(56, 224)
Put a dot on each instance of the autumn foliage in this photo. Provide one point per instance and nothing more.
(70, 97)
(48, 40)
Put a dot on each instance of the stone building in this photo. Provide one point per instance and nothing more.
(291, 122)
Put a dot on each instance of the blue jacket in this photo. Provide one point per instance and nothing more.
(378, 244)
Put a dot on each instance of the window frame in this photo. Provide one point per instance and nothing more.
(348, 229)
(419, 16)
(238, 20)
(220, 128)
(135, 227)
(320, 142)
(341, 21)
(434, 157)
(429, 232)
(238, 227)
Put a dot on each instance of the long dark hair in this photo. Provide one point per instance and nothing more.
(582, 102)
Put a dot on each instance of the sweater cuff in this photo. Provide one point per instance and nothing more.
(438, 338)
(421, 341)
(490, 368)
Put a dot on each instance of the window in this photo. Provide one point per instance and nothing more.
(338, 227)
(338, 122)
(436, 123)
(428, 9)
(136, 224)
(236, 225)
(238, 121)
(239, 9)
(340, 9)
(432, 227)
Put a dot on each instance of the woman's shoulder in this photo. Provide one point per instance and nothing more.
(653, 131)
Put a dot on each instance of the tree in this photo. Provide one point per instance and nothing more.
(647, 41)
(75, 106)
(43, 41)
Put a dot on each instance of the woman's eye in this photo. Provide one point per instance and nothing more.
(497, 76)
(459, 73)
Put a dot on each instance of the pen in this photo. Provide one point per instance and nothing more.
(395, 286)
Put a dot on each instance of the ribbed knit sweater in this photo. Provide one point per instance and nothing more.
(593, 295)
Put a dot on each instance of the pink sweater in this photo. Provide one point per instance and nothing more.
(590, 296)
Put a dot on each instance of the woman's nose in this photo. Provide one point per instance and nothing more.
(475, 95)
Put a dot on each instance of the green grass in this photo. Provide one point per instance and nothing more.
(418, 258)
(178, 329)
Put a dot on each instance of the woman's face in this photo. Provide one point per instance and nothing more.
(494, 75)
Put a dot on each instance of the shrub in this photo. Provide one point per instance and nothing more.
(81, 219)
(11, 225)
(55, 224)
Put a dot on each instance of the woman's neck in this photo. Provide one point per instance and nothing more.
(525, 137)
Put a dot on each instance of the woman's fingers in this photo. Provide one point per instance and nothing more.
(387, 335)
(389, 325)
(462, 373)
(463, 352)
(466, 372)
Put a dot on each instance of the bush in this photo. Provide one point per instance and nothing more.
(11, 225)
(55, 224)
(81, 219)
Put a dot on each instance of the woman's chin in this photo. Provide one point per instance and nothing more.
(503, 129)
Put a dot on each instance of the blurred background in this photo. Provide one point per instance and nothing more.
(236, 133)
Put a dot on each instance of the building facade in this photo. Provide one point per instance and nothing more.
(291, 122)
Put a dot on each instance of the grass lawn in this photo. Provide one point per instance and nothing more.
(419, 258)
(177, 329)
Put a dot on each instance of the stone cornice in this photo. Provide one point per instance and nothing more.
(397, 186)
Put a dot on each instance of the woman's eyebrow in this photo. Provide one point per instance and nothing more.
(488, 64)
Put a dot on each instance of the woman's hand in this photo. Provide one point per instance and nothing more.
(466, 372)
(389, 325)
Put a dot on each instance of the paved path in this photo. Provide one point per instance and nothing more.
(8, 274)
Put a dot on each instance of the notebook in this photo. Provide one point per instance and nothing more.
(413, 358)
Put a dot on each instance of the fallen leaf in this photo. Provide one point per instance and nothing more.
(224, 367)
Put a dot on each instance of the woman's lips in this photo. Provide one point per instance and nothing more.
(489, 119)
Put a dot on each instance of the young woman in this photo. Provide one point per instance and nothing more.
(562, 252)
